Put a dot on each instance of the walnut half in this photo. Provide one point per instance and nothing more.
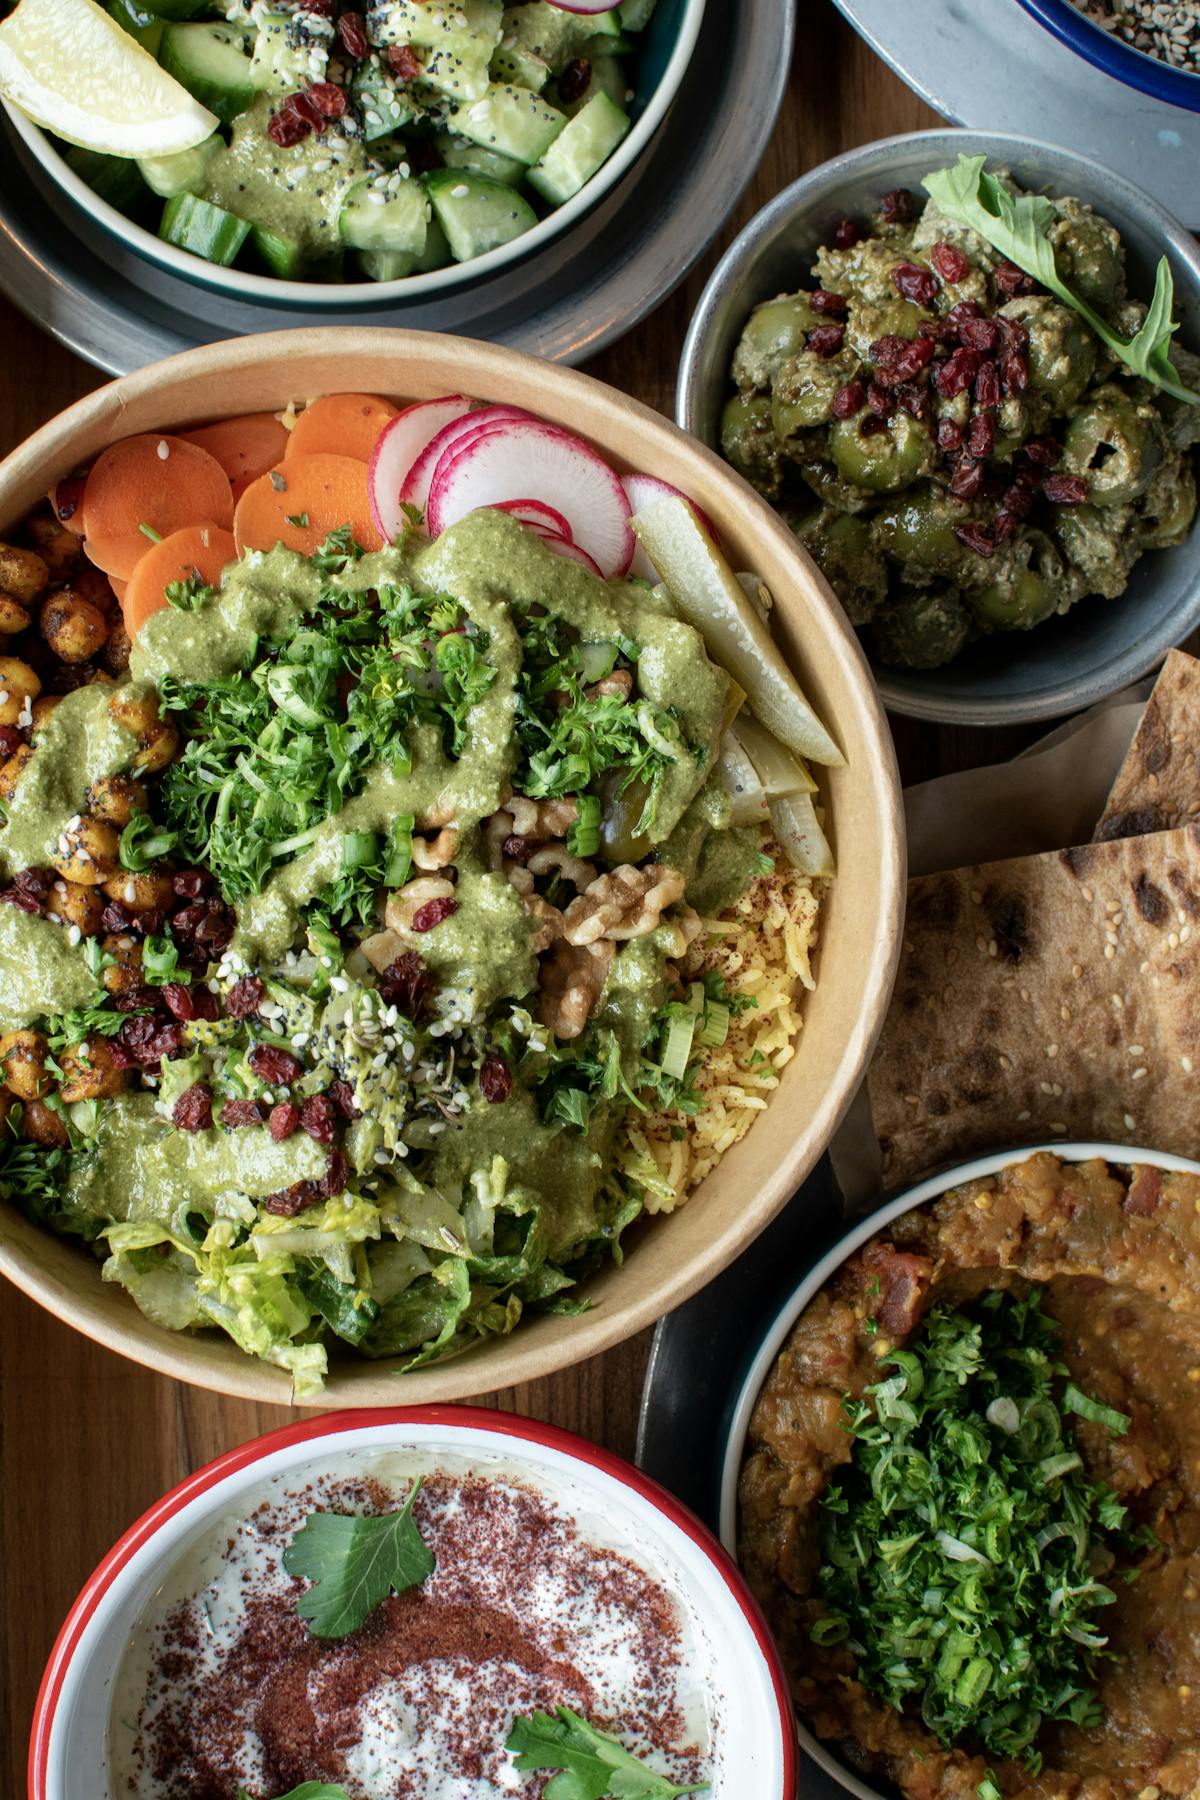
(571, 981)
(626, 903)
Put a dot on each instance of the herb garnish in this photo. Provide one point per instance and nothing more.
(355, 1562)
(1018, 225)
(190, 594)
(964, 1542)
(142, 842)
(593, 1765)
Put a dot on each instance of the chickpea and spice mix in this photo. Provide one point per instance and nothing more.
(967, 419)
(391, 923)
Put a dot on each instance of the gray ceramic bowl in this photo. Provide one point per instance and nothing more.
(1100, 645)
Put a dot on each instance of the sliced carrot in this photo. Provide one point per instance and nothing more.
(195, 551)
(245, 448)
(302, 501)
(119, 588)
(340, 425)
(152, 481)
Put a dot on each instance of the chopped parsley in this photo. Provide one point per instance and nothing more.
(593, 1764)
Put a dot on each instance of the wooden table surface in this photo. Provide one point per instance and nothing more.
(88, 1441)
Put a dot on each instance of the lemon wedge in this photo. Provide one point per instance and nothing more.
(66, 65)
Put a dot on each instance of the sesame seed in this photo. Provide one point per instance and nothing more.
(163, 450)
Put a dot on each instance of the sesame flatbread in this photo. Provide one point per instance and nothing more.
(1051, 996)
(1158, 785)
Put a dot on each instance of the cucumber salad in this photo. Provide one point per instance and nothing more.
(323, 141)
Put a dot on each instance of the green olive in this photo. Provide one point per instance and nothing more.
(918, 532)
(1100, 543)
(1015, 605)
(844, 548)
(1062, 351)
(1168, 505)
(1117, 443)
(921, 628)
(883, 318)
(884, 461)
(828, 486)
(621, 812)
(864, 271)
(1088, 254)
(804, 391)
(749, 443)
(774, 331)
(1024, 583)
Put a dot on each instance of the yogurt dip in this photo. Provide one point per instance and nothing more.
(534, 1603)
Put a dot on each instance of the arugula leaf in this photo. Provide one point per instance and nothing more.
(1018, 226)
(308, 1790)
(354, 1563)
(593, 1765)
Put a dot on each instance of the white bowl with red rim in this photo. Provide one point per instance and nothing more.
(755, 1750)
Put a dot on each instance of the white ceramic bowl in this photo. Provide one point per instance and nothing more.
(336, 297)
(781, 1327)
(756, 1751)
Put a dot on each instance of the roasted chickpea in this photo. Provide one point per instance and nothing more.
(93, 584)
(87, 851)
(74, 628)
(115, 799)
(18, 686)
(140, 893)
(157, 751)
(58, 548)
(41, 712)
(117, 648)
(124, 973)
(42, 1125)
(23, 1062)
(23, 574)
(10, 771)
(13, 617)
(90, 1072)
(69, 903)
(137, 710)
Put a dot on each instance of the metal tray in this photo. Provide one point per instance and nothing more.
(990, 65)
(565, 304)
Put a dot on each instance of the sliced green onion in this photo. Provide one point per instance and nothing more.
(715, 1028)
(142, 842)
(1074, 1401)
(680, 1035)
(987, 1789)
(956, 1550)
(1052, 1468)
(399, 857)
(149, 531)
(283, 684)
(160, 961)
(583, 837)
(628, 648)
(1004, 1414)
(597, 661)
(359, 850)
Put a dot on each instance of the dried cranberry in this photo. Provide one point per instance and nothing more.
(950, 262)
(1013, 334)
(872, 425)
(957, 372)
(323, 8)
(915, 283)
(26, 903)
(433, 913)
(1014, 372)
(939, 331)
(960, 312)
(167, 1041)
(1017, 500)
(987, 385)
(352, 31)
(967, 478)
(120, 1056)
(846, 234)
(318, 1117)
(1003, 525)
(495, 1078)
(275, 1066)
(848, 400)
(284, 1119)
(574, 80)
(977, 538)
(979, 334)
(916, 401)
(136, 999)
(336, 1175)
(307, 108)
(190, 884)
(29, 890)
(244, 997)
(286, 127)
(407, 984)
(981, 434)
(1065, 490)
(178, 1001)
(1044, 452)
(949, 434)
(11, 739)
(880, 401)
(402, 62)
(826, 340)
(1012, 281)
(519, 849)
(886, 351)
(825, 302)
(236, 1113)
(328, 98)
(205, 1002)
(193, 1109)
(342, 1095)
(897, 207)
(290, 1201)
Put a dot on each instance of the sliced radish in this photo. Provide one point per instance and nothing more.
(526, 456)
(415, 490)
(396, 450)
(537, 514)
(642, 491)
(564, 547)
(586, 6)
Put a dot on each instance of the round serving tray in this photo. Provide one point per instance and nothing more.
(990, 65)
(566, 303)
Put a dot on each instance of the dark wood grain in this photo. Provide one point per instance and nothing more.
(88, 1441)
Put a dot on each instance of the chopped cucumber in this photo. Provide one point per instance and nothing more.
(282, 255)
(556, 37)
(634, 15)
(382, 106)
(145, 27)
(204, 229)
(174, 10)
(456, 37)
(182, 173)
(608, 77)
(521, 67)
(389, 265)
(213, 63)
(477, 215)
(378, 218)
(579, 150)
(290, 51)
(511, 120)
(458, 153)
(114, 178)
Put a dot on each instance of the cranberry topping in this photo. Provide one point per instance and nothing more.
(826, 340)
(352, 31)
(193, 1109)
(342, 1095)
(328, 98)
(275, 1066)
(880, 401)
(824, 302)
(977, 538)
(846, 234)
(407, 984)
(318, 1117)
(286, 128)
(979, 334)
(402, 62)
(495, 1078)
(967, 478)
(1014, 372)
(915, 283)
(11, 739)
(518, 848)
(236, 1113)
(898, 207)
(957, 372)
(433, 913)
(244, 997)
(981, 434)
(284, 1119)
(1065, 490)
(987, 385)
(1012, 281)
(950, 262)
(845, 403)
(949, 434)
(573, 82)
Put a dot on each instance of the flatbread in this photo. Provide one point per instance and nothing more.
(1051, 996)
(1158, 785)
